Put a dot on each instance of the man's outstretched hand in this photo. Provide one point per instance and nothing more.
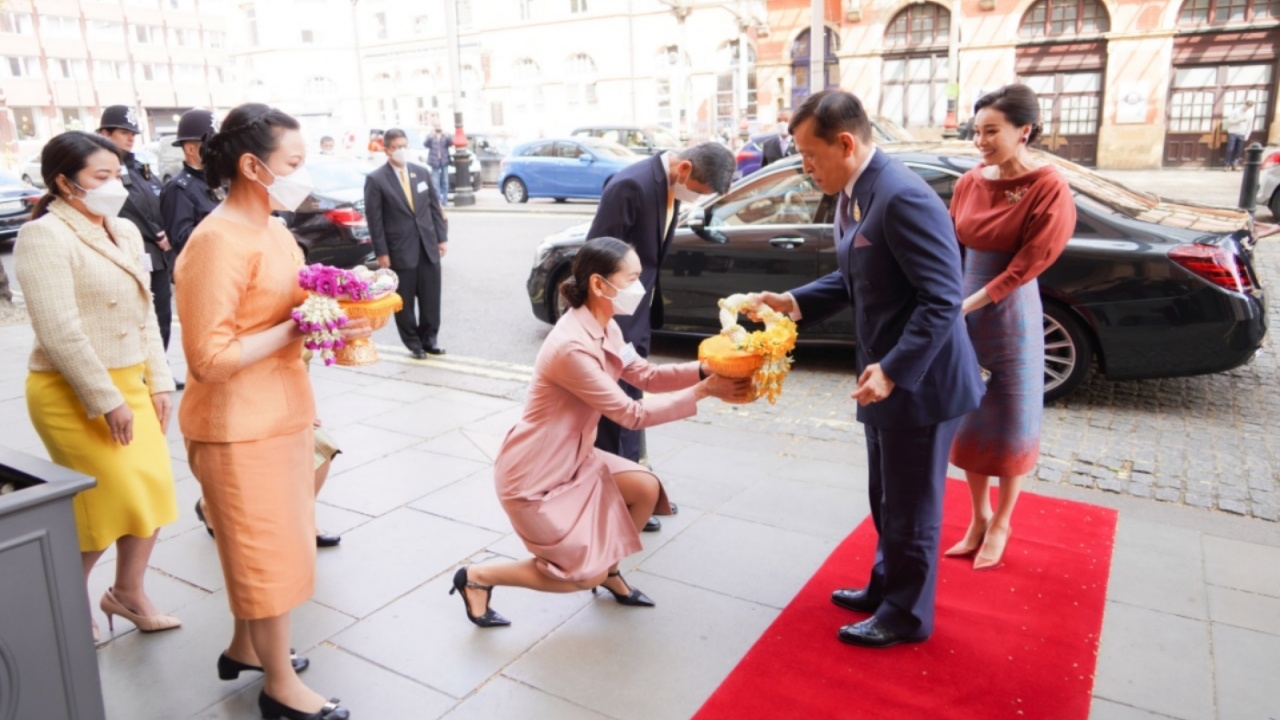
(781, 302)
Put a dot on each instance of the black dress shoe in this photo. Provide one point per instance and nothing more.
(855, 600)
(179, 385)
(273, 709)
(418, 354)
(873, 634)
(674, 510)
(200, 515)
(229, 669)
(327, 539)
(653, 525)
(634, 598)
(435, 350)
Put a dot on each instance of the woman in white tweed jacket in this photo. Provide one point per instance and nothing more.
(99, 386)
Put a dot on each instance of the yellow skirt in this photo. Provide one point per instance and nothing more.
(135, 494)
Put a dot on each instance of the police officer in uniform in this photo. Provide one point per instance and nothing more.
(120, 126)
(187, 198)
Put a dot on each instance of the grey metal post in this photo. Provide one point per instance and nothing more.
(1249, 178)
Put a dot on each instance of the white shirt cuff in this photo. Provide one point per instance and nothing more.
(795, 314)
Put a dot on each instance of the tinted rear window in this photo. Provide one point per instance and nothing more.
(336, 175)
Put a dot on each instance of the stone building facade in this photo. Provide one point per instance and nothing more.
(1123, 83)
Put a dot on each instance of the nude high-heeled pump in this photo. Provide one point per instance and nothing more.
(155, 623)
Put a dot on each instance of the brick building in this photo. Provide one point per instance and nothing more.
(1123, 83)
(62, 61)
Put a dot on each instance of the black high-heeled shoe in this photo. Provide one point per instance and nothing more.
(229, 669)
(635, 598)
(490, 618)
(200, 515)
(273, 709)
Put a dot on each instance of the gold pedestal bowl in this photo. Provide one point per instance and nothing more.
(363, 352)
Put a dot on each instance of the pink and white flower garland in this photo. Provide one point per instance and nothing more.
(320, 317)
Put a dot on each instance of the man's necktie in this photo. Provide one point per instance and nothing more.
(404, 183)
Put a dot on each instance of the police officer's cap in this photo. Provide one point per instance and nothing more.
(120, 117)
(194, 125)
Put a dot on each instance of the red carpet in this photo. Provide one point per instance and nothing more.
(1017, 642)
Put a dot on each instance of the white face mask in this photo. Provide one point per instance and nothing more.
(401, 156)
(106, 199)
(684, 194)
(288, 191)
(628, 298)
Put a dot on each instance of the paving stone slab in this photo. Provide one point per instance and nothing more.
(1155, 661)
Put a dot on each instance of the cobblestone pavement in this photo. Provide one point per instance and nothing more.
(1208, 441)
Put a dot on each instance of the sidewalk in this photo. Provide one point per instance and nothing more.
(1192, 628)
(490, 199)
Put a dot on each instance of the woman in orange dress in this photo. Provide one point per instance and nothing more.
(579, 510)
(248, 410)
(1013, 215)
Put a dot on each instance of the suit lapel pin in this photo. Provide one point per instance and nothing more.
(857, 212)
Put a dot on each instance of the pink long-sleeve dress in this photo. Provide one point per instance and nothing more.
(556, 487)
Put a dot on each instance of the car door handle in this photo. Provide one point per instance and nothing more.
(787, 243)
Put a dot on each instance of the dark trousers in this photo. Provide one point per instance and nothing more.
(162, 293)
(1235, 150)
(612, 437)
(419, 321)
(907, 474)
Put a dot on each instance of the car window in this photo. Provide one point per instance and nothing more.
(662, 138)
(786, 197)
(540, 150)
(609, 149)
(568, 150)
(331, 175)
(942, 182)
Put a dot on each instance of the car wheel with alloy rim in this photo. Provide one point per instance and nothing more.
(515, 191)
(1067, 352)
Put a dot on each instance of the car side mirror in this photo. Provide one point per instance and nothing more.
(584, 158)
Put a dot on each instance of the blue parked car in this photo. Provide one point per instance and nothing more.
(562, 168)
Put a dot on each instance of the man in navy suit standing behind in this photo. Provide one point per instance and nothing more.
(640, 206)
(917, 373)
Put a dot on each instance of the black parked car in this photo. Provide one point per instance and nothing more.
(16, 202)
(330, 224)
(1148, 287)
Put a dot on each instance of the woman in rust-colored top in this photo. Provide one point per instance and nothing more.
(1013, 215)
(248, 410)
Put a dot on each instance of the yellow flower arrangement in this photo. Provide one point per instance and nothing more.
(763, 355)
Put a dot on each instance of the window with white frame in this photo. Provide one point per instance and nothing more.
(28, 121)
(669, 63)
(181, 37)
(185, 72)
(464, 12)
(75, 118)
(735, 88)
(148, 35)
(24, 67)
(380, 26)
(108, 70)
(526, 88)
(69, 68)
(422, 25)
(16, 23)
(251, 25)
(525, 9)
(215, 40)
(580, 80)
(577, 6)
(59, 26)
(308, 37)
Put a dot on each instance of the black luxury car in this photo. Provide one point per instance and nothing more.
(1148, 287)
(16, 202)
(330, 224)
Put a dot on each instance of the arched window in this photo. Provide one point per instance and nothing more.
(923, 25)
(422, 86)
(1221, 12)
(383, 90)
(526, 89)
(1057, 18)
(580, 80)
(917, 66)
(801, 88)
(732, 100)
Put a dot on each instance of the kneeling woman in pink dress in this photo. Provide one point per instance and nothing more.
(579, 510)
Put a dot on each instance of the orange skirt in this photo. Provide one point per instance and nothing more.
(260, 501)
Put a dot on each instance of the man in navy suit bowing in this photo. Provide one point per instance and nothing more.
(410, 236)
(640, 206)
(917, 372)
